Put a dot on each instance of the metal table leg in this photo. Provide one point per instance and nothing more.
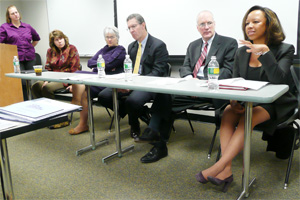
(6, 173)
(28, 89)
(93, 145)
(247, 149)
(117, 132)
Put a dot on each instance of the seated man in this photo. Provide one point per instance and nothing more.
(149, 56)
(195, 65)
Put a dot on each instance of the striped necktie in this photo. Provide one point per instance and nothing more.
(200, 62)
(138, 59)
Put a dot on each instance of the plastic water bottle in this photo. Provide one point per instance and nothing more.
(213, 74)
(128, 68)
(101, 66)
(16, 65)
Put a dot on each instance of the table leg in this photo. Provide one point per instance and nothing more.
(28, 89)
(247, 149)
(117, 131)
(93, 145)
(5, 171)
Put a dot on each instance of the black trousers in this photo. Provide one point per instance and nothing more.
(26, 65)
(130, 103)
(166, 106)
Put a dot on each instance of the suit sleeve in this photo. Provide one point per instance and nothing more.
(186, 68)
(278, 69)
(160, 60)
(228, 60)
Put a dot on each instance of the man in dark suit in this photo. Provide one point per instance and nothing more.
(149, 56)
(211, 44)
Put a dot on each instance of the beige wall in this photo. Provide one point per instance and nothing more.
(34, 12)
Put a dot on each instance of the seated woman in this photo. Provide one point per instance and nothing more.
(264, 57)
(114, 55)
(61, 57)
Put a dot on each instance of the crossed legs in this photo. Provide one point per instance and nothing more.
(232, 139)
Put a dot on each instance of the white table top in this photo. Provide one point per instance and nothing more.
(190, 87)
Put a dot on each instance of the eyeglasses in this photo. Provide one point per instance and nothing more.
(132, 27)
(209, 24)
(109, 37)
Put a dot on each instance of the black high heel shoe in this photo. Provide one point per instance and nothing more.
(227, 181)
(200, 178)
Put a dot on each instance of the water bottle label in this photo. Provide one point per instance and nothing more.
(99, 65)
(213, 70)
(16, 63)
(128, 66)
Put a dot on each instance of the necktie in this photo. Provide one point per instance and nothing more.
(138, 59)
(201, 60)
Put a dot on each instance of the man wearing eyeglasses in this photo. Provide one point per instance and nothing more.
(149, 57)
(195, 65)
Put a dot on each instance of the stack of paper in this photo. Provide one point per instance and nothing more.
(240, 84)
(36, 110)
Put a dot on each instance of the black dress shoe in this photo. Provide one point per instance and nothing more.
(155, 154)
(148, 135)
(145, 117)
(135, 132)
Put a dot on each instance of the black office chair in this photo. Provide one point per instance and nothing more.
(291, 121)
(38, 60)
(216, 119)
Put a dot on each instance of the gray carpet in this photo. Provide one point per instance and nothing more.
(44, 166)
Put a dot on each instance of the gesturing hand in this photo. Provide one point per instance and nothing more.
(257, 49)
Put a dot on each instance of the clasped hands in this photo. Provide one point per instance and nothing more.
(237, 107)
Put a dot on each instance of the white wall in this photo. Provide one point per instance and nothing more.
(174, 22)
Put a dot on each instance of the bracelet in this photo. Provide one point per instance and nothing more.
(261, 53)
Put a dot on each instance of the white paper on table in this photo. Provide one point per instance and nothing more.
(6, 125)
(80, 77)
(238, 84)
(118, 76)
(31, 115)
(241, 83)
(167, 81)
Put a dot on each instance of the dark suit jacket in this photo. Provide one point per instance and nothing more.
(223, 48)
(154, 59)
(276, 70)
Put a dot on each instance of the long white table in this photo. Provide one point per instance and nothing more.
(191, 87)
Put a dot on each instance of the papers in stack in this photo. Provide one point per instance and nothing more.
(240, 84)
(36, 110)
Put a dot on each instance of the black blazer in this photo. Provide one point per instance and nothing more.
(276, 70)
(222, 47)
(154, 59)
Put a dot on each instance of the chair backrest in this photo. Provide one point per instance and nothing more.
(296, 77)
(38, 60)
(169, 70)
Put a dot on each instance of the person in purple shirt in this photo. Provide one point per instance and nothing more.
(114, 55)
(23, 35)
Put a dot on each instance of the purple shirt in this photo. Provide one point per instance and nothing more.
(22, 37)
(113, 57)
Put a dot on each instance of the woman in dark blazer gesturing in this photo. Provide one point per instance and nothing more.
(264, 57)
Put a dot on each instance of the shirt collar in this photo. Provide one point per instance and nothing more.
(210, 40)
(145, 41)
(12, 25)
